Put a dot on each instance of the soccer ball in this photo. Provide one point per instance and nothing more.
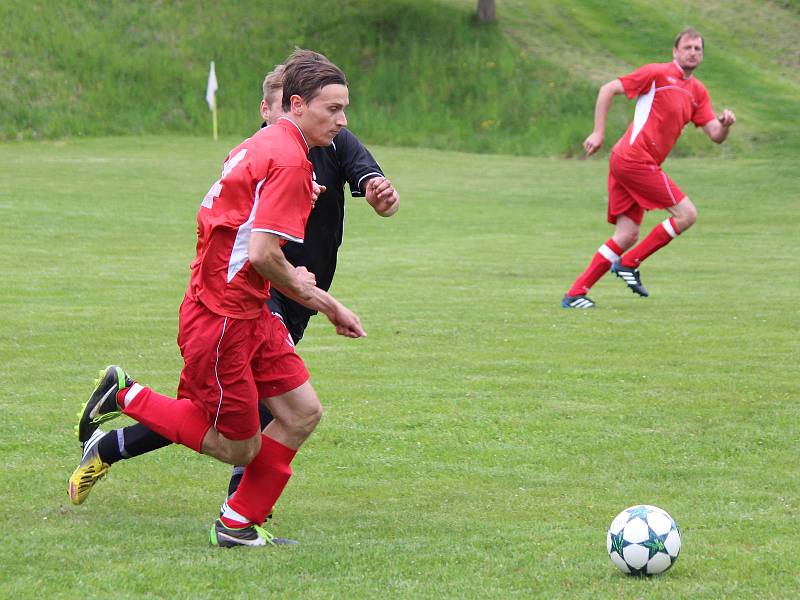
(643, 540)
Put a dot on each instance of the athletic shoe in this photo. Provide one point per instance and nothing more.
(102, 404)
(90, 470)
(631, 277)
(580, 301)
(252, 535)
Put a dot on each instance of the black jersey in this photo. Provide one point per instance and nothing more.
(346, 160)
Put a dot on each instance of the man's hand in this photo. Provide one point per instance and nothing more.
(593, 143)
(304, 283)
(346, 321)
(717, 129)
(316, 190)
(382, 196)
(726, 118)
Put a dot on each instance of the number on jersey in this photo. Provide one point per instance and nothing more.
(216, 189)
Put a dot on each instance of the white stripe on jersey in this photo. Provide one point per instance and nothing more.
(280, 234)
(374, 174)
(239, 253)
(643, 105)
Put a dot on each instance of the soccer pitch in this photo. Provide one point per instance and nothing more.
(476, 444)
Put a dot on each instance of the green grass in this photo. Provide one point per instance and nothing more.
(476, 444)
(422, 73)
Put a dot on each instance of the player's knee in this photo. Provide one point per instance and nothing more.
(241, 452)
(687, 215)
(305, 419)
(247, 451)
(626, 239)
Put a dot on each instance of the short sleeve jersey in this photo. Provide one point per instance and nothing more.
(667, 101)
(265, 186)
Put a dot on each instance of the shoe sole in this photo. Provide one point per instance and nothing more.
(74, 495)
(93, 423)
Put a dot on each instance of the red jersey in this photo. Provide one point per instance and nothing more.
(265, 186)
(668, 100)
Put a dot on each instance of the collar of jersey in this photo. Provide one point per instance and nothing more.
(681, 71)
(290, 125)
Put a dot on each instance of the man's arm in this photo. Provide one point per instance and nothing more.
(604, 97)
(345, 320)
(266, 256)
(364, 174)
(717, 129)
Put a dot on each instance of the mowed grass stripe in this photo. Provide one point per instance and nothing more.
(477, 443)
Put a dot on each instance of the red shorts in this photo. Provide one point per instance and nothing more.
(636, 187)
(230, 363)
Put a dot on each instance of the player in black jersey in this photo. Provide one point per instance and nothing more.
(346, 161)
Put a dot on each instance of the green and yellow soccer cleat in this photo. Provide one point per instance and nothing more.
(102, 404)
(252, 535)
(230, 537)
(90, 470)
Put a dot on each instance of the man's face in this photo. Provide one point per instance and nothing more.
(323, 117)
(271, 110)
(689, 53)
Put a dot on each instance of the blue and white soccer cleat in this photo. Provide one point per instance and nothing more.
(580, 301)
(631, 277)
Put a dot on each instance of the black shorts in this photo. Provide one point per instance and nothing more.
(294, 315)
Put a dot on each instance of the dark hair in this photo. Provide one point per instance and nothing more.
(272, 83)
(306, 73)
(692, 33)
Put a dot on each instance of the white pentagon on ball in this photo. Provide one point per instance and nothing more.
(643, 540)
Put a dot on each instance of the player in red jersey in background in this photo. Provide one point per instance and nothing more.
(669, 97)
(235, 351)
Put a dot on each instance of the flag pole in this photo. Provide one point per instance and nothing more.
(214, 118)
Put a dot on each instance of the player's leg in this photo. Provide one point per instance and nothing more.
(103, 449)
(652, 189)
(684, 215)
(626, 215)
(282, 379)
(296, 414)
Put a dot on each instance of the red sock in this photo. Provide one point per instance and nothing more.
(178, 420)
(661, 235)
(601, 263)
(263, 481)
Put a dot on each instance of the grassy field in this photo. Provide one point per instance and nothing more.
(422, 72)
(476, 444)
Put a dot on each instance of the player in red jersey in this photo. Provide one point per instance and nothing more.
(669, 97)
(235, 351)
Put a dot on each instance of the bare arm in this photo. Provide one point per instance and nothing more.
(717, 129)
(266, 256)
(604, 97)
(345, 320)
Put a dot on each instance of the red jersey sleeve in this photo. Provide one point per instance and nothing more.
(284, 202)
(703, 113)
(639, 81)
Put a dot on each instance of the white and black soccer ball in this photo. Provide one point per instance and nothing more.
(643, 540)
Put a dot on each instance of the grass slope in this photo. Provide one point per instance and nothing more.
(422, 73)
(477, 443)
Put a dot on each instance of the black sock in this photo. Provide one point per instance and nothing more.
(128, 442)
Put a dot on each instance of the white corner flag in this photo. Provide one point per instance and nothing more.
(211, 96)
